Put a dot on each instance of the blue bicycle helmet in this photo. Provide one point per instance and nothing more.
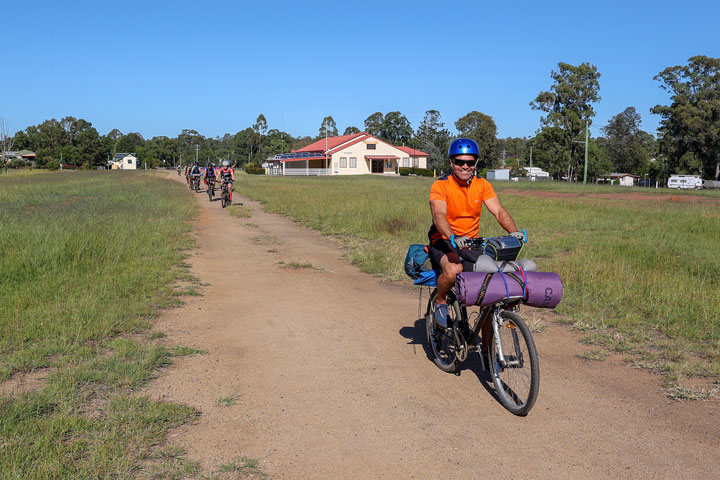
(463, 146)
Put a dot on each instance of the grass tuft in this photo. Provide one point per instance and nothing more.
(241, 211)
(226, 401)
(247, 467)
(595, 355)
(301, 266)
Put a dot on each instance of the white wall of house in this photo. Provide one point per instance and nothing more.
(626, 181)
(129, 163)
(343, 163)
(413, 161)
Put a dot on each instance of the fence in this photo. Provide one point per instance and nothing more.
(307, 171)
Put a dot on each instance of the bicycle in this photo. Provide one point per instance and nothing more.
(210, 188)
(195, 182)
(506, 346)
(225, 193)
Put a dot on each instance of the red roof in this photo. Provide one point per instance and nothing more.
(381, 157)
(332, 142)
(413, 152)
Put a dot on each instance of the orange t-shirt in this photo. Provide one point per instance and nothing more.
(464, 204)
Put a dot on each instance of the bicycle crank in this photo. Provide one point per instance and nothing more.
(461, 346)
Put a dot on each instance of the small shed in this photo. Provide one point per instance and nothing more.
(124, 161)
(498, 174)
(624, 179)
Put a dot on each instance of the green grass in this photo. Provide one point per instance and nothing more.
(645, 274)
(241, 468)
(594, 355)
(240, 211)
(88, 259)
(226, 400)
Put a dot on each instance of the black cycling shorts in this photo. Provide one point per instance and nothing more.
(440, 248)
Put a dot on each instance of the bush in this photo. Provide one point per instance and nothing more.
(52, 165)
(254, 170)
(423, 172)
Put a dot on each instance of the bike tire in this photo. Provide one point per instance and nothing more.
(442, 342)
(516, 386)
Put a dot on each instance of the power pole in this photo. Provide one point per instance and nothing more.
(530, 156)
(197, 150)
(587, 134)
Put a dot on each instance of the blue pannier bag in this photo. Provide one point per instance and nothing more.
(416, 257)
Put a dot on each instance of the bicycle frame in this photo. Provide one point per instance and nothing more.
(492, 313)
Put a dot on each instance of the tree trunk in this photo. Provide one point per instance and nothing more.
(717, 166)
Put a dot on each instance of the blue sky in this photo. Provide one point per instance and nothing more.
(159, 67)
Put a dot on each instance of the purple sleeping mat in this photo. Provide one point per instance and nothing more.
(542, 289)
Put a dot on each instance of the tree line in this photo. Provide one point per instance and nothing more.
(688, 138)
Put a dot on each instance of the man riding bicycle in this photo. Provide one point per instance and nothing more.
(227, 174)
(456, 202)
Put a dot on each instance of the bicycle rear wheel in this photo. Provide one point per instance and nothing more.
(516, 375)
(441, 341)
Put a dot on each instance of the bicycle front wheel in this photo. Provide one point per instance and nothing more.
(515, 371)
(441, 341)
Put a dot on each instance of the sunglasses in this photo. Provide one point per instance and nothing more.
(460, 163)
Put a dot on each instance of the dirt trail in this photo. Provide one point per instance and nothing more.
(332, 380)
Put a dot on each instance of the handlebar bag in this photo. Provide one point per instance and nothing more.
(503, 248)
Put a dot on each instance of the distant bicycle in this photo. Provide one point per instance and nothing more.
(225, 194)
(211, 188)
(195, 182)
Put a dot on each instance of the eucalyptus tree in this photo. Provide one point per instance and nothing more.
(568, 108)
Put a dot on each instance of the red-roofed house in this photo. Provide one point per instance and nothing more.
(356, 154)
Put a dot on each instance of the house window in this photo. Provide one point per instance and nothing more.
(371, 146)
(353, 162)
(129, 161)
(406, 162)
(416, 162)
(343, 162)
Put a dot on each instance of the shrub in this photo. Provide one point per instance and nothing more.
(254, 170)
(52, 165)
(423, 172)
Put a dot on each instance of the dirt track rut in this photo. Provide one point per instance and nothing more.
(332, 380)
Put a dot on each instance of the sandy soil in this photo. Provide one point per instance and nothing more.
(332, 379)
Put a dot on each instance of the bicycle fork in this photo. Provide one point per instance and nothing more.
(506, 361)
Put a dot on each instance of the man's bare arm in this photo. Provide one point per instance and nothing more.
(503, 217)
(439, 216)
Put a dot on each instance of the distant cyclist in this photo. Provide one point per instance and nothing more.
(456, 202)
(210, 174)
(195, 172)
(227, 174)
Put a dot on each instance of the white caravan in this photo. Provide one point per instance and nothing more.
(685, 181)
